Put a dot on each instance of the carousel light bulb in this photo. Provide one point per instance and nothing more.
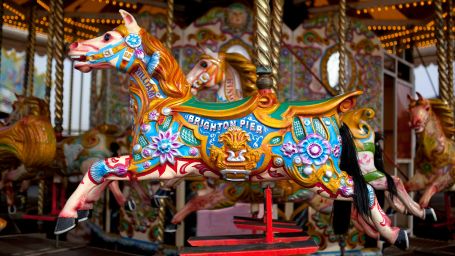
(379, 9)
(372, 10)
(358, 11)
(389, 27)
(414, 4)
(120, 4)
(365, 10)
(386, 8)
(407, 5)
(114, 2)
(400, 6)
(128, 5)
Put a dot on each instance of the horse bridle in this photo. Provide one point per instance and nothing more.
(204, 77)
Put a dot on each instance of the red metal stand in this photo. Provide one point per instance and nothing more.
(450, 220)
(289, 239)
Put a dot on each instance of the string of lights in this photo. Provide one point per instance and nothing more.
(395, 7)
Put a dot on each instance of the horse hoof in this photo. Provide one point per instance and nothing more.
(170, 228)
(402, 241)
(430, 215)
(82, 215)
(64, 225)
(130, 205)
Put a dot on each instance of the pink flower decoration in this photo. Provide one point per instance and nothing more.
(166, 146)
(289, 149)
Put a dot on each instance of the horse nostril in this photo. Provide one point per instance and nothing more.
(74, 45)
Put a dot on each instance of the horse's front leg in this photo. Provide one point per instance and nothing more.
(440, 183)
(96, 175)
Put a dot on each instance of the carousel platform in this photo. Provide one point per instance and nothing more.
(37, 244)
(427, 247)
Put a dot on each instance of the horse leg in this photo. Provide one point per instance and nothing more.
(416, 182)
(439, 184)
(377, 219)
(403, 203)
(95, 176)
(115, 189)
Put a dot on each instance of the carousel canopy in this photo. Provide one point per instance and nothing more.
(398, 23)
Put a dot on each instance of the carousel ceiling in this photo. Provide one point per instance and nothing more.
(403, 23)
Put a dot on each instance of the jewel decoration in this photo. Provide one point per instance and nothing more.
(145, 128)
(166, 146)
(147, 152)
(154, 115)
(336, 150)
(314, 150)
(289, 149)
(194, 151)
(133, 40)
(140, 54)
(137, 148)
(308, 170)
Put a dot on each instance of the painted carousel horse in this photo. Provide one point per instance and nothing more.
(255, 139)
(433, 123)
(223, 194)
(27, 142)
(231, 73)
(28, 136)
(211, 70)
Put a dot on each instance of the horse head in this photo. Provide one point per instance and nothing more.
(208, 71)
(28, 106)
(130, 49)
(419, 111)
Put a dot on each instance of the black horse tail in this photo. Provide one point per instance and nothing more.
(348, 162)
(379, 163)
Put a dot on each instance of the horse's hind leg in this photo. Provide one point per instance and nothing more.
(416, 182)
(439, 184)
(95, 176)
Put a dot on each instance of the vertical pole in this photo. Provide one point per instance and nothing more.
(268, 215)
(30, 58)
(93, 99)
(49, 53)
(441, 52)
(2, 10)
(277, 16)
(169, 23)
(59, 57)
(262, 47)
(81, 91)
(450, 40)
(342, 46)
(70, 114)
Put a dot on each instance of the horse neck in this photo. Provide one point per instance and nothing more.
(433, 131)
(230, 89)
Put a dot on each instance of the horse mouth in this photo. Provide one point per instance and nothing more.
(78, 57)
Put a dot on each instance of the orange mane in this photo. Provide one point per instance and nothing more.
(170, 77)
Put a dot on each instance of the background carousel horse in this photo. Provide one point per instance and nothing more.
(27, 142)
(255, 139)
(433, 122)
(231, 73)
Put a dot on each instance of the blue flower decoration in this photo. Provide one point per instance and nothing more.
(133, 40)
(314, 149)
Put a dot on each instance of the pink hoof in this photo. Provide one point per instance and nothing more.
(68, 214)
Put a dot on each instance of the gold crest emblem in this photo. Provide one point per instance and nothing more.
(235, 152)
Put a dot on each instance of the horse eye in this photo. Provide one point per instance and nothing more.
(203, 64)
(107, 37)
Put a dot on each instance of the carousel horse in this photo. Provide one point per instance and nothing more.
(28, 137)
(223, 194)
(433, 123)
(254, 139)
(27, 142)
(231, 73)
(211, 70)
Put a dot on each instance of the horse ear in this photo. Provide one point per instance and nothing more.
(410, 98)
(419, 96)
(130, 22)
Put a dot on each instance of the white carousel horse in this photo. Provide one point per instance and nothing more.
(255, 139)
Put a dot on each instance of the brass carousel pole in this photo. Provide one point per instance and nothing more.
(262, 46)
(450, 40)
(162, 201)
(444, 91)
(277, 16)
(342, 45)
(1, 32)
(30, 58)
(59, 57)
(49, 53)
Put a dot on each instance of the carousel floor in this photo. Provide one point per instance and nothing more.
(35, 244)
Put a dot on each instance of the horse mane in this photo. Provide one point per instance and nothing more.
(170, 76)
(445, 114)
(30, 105)
(246, 70)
